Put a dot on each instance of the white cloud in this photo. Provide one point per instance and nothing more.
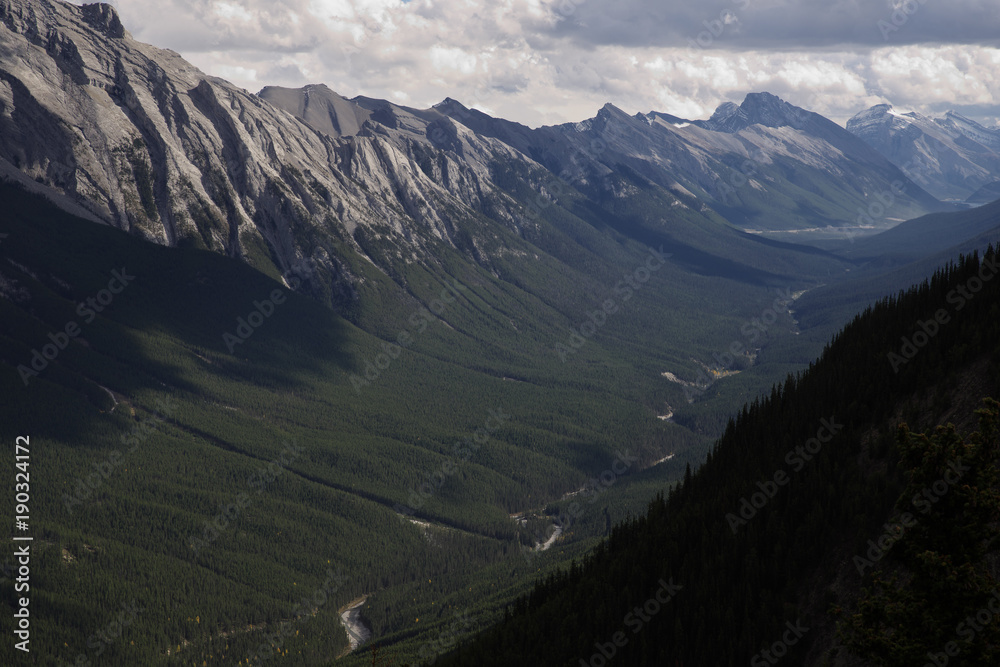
(445, 58)
(553, 61)
(229, 11)
(235, 73)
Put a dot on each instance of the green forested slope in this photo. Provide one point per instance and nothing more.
(212, 473)
(819, 454)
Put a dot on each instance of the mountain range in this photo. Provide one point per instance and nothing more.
(304, 373)
(952, 157)
(145, 142)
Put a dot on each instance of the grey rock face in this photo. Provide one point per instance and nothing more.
(149, 144)
(763, 149)
(320, 108)
(952, 157)
(144, 141)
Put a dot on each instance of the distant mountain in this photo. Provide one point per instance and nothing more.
(951, 157)
(141, 139)
(987, 193)
(764, 165)
(757, 109)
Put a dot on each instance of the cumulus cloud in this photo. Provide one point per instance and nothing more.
(554, 61)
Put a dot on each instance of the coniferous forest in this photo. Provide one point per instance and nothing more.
(314, 377)
(753, 575)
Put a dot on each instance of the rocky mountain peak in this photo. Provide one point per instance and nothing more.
(875, 116)
(772, 111)
(728, 117)
(37, 18)
(762, 100)
(725, 110)
(104, 18)
(609, 114)
(756, 109)
(951, 156)
(449, 105)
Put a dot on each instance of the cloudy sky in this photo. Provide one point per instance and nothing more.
(552, 61)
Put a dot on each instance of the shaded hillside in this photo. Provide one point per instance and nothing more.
(893, 260)
(921, 237)
(817, 457)
(181, 401)
(214, 370)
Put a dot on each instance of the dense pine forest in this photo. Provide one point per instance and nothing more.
(803, 537)
(215, 485)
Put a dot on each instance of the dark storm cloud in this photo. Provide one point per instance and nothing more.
(778, 24)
